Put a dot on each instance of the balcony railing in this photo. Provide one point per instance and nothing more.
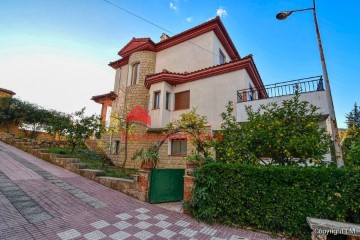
(303, 85)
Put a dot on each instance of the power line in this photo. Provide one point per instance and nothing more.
(135, 15)
(154, 24)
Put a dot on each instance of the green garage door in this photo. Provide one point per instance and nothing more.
(166, 185)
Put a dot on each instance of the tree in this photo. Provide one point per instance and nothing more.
(120, 123)
(57, 123)
(81, 128)
(11, 112)
(195, 126)
(35, 119)
(350, 146)
(189, 123)
(353, 118)
(353, 155)
(230, 145)
(288, 134)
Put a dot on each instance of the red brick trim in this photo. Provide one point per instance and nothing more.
(108, 97)
(119, 63)
(141, 44)
(246, 63)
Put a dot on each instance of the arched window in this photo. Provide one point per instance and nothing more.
(135, 73)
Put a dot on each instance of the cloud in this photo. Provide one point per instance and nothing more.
(172, 6)
(189, 19)
(221, 12)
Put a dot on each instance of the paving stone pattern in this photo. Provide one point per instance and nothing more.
(57, 181)
(43, 188)
(30, 209)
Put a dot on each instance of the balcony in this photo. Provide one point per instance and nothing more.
(311, 90)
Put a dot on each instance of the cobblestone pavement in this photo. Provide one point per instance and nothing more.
(39, 200)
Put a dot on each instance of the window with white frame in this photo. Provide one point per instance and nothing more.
(178, 146)
(157, 100)
(222, 58)
(167, 101)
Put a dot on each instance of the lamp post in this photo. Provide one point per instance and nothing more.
(334, 130)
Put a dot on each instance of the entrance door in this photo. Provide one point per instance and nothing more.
(166, 185)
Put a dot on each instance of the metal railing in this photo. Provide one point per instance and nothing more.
(303, 85)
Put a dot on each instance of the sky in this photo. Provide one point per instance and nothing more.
(56, 52)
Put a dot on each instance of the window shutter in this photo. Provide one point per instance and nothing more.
(182, 100)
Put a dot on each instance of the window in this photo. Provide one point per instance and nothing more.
(222, 58)
(156, 100)
(178, 147)
(135, 73)
(167, 104)
(182, 100)
(116, 147)
(117, 80)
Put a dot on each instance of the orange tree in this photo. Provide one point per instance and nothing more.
(287, 133)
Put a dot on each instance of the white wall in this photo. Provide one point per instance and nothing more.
(121, 77)
(315, 98)
(188, 56)
(156, 114)
(216, 46)
(210, 96)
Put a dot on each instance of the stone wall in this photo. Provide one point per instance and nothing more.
(137, 187)
(140, 138)
(138, 95)
(17, 132)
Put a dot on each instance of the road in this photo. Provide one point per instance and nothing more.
(39, 200)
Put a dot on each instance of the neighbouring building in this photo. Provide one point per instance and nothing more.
(6, 93)
(198, 68)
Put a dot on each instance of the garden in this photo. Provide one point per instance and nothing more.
(234, 185)
(94, 161)
(238, 188)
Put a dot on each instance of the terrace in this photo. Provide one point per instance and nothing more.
(311, 89)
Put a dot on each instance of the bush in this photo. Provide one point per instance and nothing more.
(275, 198)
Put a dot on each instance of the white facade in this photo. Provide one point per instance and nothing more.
(192, 55)
(209, 96)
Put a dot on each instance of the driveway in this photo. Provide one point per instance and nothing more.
(39, 200)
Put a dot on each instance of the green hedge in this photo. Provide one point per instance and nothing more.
(274, 198)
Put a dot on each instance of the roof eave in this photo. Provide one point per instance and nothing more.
(246, 63)
(111, 96)
(7, 91)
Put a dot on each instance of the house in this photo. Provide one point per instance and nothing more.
(198, 68)
(6, 93)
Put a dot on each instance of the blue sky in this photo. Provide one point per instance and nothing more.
(55, 53)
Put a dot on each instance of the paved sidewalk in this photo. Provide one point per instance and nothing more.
(39, 200)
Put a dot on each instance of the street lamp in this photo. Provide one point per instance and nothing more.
(282, 16)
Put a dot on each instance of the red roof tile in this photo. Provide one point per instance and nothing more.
(140, 44)
(7, 91)
(105, 97)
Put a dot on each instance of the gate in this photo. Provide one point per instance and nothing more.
(166, 185)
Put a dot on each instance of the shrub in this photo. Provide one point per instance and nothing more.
(275, 198)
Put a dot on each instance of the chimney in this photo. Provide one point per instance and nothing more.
(163, 37)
